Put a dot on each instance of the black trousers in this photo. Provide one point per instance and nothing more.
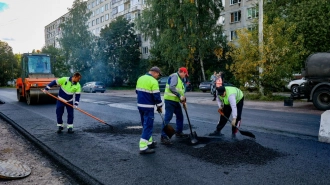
(227, 112)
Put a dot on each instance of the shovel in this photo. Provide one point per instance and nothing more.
(168, 129)
(245, 133)
(78, 109)
(193, 135)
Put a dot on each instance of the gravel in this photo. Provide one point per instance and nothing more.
(43, 171)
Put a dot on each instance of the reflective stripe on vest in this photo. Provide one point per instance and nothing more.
(147, 84)
(230, 91)
(168, 95)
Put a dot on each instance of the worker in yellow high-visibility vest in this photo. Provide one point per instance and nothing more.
(173, 96)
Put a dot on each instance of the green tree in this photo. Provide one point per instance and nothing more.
(120, 48)
(311, 20)
(182, 32)
(280, 56)
(76, 41)
(8, 63)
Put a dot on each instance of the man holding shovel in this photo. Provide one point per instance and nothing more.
(230, 101)
(173, 96)
(148, 95)
(69, 86)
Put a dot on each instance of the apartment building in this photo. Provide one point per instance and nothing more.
(103, 13)
(52, 31)
(237, 14)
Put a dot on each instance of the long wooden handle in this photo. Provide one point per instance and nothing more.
(76, 108)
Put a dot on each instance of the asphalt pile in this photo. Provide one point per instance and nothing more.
(230, 152)
(220, 150)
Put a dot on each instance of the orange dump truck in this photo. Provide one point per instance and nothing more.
(36, 75)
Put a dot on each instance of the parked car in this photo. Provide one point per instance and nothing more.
(163, 80)
(205, 86)
(94, 87)
(294, 84)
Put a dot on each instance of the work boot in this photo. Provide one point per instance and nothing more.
(215, 133)
(152, 145)
(165, 140)
(147, 151)
(59, 129)
(213, 99)
(70, 130)
(181, 135)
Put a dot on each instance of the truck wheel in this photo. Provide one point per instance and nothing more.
(321, 99)
(294, 89)
(20, 98)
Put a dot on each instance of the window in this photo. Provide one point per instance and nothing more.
(234, 2)
(93, 22)
(252, 13)
(106, 6)
(97, 20)
(115, 10)
(235, 17)
(120, 8)
(97, 11)
(102, 19)
(233, 35)
(93, 4)
(97, 2)
(102, 9)
(106, 17)
(145, 50)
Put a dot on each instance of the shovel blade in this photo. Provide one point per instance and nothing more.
(169, 130)
(193, 138)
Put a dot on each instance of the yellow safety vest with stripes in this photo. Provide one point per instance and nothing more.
(230, 91)
(168, 95)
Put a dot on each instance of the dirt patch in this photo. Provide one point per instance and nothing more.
(229, 152)
(14, 146)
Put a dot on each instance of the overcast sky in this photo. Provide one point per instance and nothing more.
(22, 22)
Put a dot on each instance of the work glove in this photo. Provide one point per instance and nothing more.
(75, 105)
(159, 110)
(220, 110)
(183, 99)
(233, 122)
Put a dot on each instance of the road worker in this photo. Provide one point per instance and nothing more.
(148, 95)
(173, 96)
(69, 86)
(230, 101)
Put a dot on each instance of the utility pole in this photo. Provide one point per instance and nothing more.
(260, 37)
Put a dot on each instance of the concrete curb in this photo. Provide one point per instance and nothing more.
(79, 175)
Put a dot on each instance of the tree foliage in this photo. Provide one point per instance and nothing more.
(8, 64)
(119, 47)
(76, 41)
(310, 18)
(181, 32)
(280, 55)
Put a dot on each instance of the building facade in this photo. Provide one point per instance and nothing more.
(237, 14)
(103, 13)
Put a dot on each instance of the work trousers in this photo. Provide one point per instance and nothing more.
(173, 107)
(227, 112)
(60, 110)
(147, 121)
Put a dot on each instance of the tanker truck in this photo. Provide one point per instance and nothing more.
(316, 89)
(36, 75)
